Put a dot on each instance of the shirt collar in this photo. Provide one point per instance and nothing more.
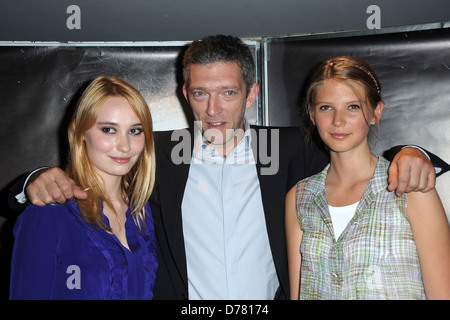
(204, 152)
(377, 183)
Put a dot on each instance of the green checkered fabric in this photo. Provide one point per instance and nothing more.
(375, 257)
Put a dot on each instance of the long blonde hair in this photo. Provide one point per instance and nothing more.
(138, 184)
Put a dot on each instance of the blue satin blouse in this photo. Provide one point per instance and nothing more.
(57, 255)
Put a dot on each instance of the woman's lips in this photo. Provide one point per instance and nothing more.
(339, 136)
(121, 160)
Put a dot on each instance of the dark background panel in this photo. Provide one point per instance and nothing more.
(187, 20)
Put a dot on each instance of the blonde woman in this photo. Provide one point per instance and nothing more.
(101, 247)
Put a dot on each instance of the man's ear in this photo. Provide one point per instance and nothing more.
(252, 95)
(185, 92)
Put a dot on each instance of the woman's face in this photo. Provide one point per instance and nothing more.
(342, 116)
(116, 140)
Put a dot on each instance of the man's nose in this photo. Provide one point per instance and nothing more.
(214, 106)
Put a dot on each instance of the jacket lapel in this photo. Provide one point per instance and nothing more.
(273, 194)
(172, 183)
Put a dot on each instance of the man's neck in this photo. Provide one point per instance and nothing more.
(224, 149)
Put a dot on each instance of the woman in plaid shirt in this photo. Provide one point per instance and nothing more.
(348, 237)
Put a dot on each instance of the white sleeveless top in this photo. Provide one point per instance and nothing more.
(341, 216)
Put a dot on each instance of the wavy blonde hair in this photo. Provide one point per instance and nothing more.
(137, 185)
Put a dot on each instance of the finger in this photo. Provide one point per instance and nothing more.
(423, 183)
(35, 199)
(56, 195)
(53, 185)
(69, 189)
(38, 196)
(431, 182)
(40, 188)
(75, 191)
(422, 179)
(403, 181)
(78, 193)
(62, 189)
(413, 178)
(59, 186)
(428, 181)
(392, 177)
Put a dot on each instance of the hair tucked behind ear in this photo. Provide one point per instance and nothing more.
(137, 185)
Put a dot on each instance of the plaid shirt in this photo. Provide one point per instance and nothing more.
(374, 258)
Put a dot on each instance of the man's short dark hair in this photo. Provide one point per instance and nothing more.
(220, 48)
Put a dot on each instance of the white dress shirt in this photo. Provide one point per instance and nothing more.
(227, 247)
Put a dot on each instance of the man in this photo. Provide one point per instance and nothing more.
(218, 203)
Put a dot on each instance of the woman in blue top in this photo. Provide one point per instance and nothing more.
(101, 247)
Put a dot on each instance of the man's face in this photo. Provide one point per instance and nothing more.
(218, 98)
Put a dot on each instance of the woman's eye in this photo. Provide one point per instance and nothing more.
(354, 107)
(136, 131)
(108, 130)
(325, 107)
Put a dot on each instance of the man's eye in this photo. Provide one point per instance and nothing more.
(230, 93)
(198, 94)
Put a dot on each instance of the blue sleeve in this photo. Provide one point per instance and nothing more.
(33, 263)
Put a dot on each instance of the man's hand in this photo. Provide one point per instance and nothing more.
(411, 170)
(52, 185)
